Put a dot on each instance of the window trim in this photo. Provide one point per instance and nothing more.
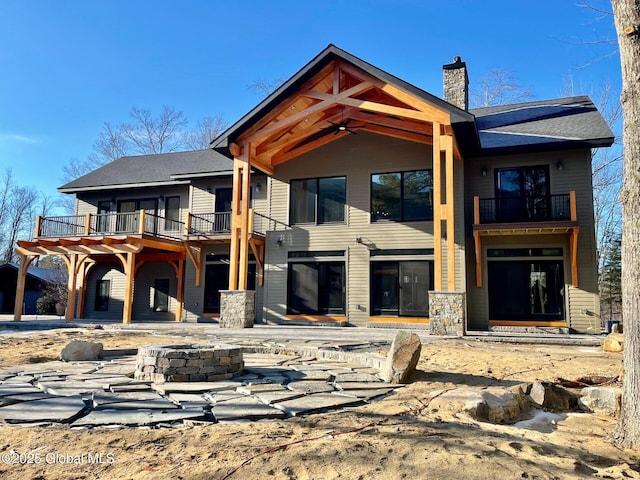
(317, 204)
(402, 173)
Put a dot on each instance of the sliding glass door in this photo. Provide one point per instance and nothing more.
(401, 288)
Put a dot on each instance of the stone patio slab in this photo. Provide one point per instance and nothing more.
(310, 387)
(188, 400)
(223, 396)
(53, 409)
(314, 403)
(17, 389)
(152, 404)
(365, 385)
(244, 408)
(194, 387)
(132, 387)
(365, 394)
(136, 417)
(356, 377)
(107, 397)
(274, 397)
(252, 389)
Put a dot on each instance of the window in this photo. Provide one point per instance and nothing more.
(104, 209)
(161, 295)
(103, 289)
(316, 288)
(402, 196)
(172, 213)
(523, 194)
(318, 200)
(401, 288)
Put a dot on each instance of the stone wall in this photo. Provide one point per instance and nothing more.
(447, 312)
(237, 308)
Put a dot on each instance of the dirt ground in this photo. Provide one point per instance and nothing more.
(397, 437)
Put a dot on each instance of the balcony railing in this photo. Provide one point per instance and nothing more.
(220, 223)
(536, 208)
(140, 222)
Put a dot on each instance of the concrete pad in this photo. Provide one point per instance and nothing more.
(365, 385)
(244, 408)
(314, 403)
(366, 394)
(194, 387)
(253, 389)
(154, 404)
(136, 417)
(53, 409)
(275, 397)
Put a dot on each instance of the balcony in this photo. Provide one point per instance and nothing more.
(201, 226)
(526, 215)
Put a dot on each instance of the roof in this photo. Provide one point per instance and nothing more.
(330, 53)
(149, 170)
(47, 275)
(549, 124)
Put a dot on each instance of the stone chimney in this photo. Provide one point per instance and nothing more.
(456, 83)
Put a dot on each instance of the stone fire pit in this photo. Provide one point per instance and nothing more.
(188, 363)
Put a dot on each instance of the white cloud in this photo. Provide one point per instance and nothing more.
(12, 137)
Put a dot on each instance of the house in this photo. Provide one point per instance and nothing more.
(36, 282)
(348, 196)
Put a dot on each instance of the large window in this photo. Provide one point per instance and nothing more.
(103, 289)
(402, 196)
(523, 194)
(316, 288)
(401, 288)
(526, 288)
(318, 200)
(161, 295)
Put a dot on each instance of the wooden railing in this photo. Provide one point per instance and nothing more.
(139, 222)
(542, 208)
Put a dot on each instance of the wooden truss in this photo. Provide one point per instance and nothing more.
(303, 122)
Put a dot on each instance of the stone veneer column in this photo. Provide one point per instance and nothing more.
(237, 308)
(447, 313)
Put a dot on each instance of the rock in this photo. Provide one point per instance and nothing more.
(603, 400)
(613, 342)
(79, 350)
(402, 358)
(495, 405)
(552, 397)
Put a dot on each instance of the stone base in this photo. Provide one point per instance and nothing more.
(447, 313)
(237, 308)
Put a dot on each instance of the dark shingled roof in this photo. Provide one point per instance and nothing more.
(156, 169)
(561, 123)
(47, 275)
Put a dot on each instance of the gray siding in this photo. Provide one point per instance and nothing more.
(356, 157)
(576, 176)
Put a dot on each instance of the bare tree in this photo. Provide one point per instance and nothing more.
(627, 22)
(499, 87)
(145, 134)
(264, 88)
(205, 131)
(18, 215)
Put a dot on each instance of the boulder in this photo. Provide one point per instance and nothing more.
(613, 343)
(552, 397)
(402, 358)
(495, 405)
(602, 400)
(79, 350)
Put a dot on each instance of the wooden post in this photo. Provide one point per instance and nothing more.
(38, 226)
(572, 206)
(244, 218)
(574, 256)
(129, 272)
(141, 220)
(25, 261)
(87, 224)
(187, 223)
(451, 240)
(235, 220)
(478, 247)
(437, 211)
(71, 285)
(476, 210)
(179, 290)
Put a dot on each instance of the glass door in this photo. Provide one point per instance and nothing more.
(522, 194)
(414, 289)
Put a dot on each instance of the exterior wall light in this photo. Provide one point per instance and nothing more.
(559, 165)
(484, 171)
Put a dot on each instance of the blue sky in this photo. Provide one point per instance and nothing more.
(66, 67)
